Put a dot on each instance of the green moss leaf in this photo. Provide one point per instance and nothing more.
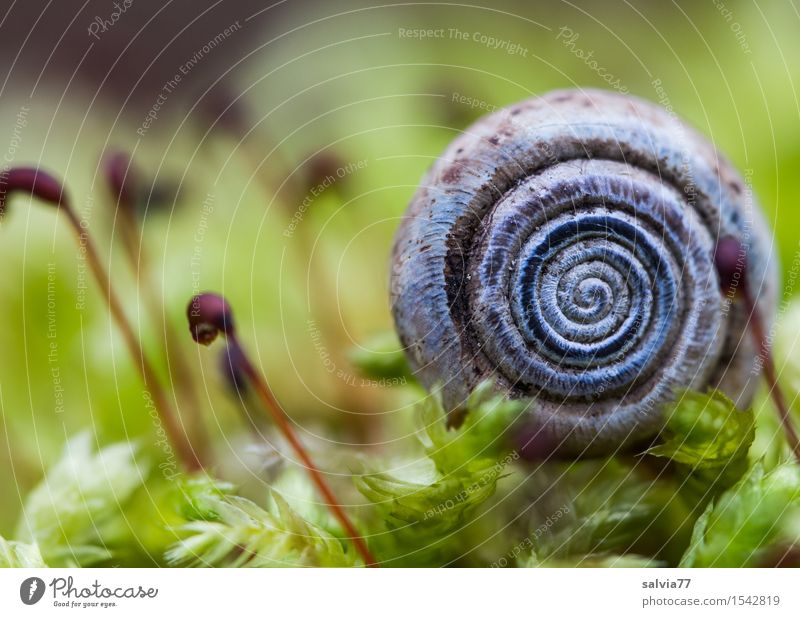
(439, 505)
(744, 523)
(605, 507)
(709, 438)
(426, 505)
(482, 438)
(593, 561)
(20, 555)
(223, 530)
(76, 514)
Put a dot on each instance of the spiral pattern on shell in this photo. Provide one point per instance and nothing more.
(564, 248)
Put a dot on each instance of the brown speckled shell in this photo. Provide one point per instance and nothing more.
(563, 247)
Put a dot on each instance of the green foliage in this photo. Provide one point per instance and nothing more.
(434, 508)
(294, 486)
(76, 514)
(744, 522)
(593, 561)
(427, 504)
(598, 512)
(381, 358)
(224, 530)
(482, 438)
(441, 504)
(197, 498)
(618, 507)
(708, 438)
(20, 555)
(588, 509)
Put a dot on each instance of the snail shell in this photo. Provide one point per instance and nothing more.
(564, 248)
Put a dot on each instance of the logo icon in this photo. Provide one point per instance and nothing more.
(31, 590)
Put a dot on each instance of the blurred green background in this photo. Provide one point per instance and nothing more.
(324, 87)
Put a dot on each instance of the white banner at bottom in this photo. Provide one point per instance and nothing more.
(381, 592)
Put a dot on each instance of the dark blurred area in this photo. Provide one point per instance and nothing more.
(127, 49)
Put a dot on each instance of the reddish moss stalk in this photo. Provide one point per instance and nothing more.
(123, 182)
(210, 315)
(730, 259)
(45, 187)
(223, 110)
(770, 374)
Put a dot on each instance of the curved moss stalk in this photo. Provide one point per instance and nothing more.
(123, 181)
(730, 259)
(46, 188)
(210, 315)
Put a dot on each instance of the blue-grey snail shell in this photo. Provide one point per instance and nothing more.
(564, 247)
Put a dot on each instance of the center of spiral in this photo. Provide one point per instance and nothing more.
(585, 295)
(579, 290)
(592, 296)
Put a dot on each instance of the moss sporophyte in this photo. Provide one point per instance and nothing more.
(47, 189)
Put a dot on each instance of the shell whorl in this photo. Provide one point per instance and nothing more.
(564, 248)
